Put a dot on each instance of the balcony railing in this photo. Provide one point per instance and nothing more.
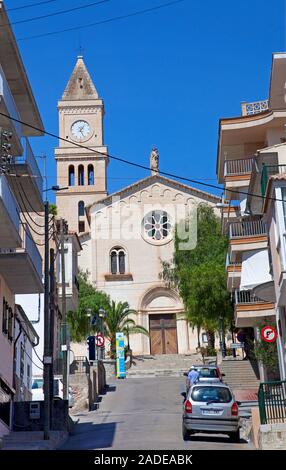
(255, 107)
(9, 201)
(272, 402)
(241, 166)
(32, 250)
(28, 159)
(245, 297)
(267, 171)
(9, 102)
(247, 228)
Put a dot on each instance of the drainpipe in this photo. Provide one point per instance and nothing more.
(14, 361)
(39, 313)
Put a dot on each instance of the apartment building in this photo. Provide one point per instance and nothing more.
(20, 260)
(251, 163)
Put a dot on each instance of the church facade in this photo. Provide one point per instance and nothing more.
(126, 236)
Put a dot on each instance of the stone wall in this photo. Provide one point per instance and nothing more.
(272, 437)
(22, 421)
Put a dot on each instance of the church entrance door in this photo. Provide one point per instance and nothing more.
(163, 334)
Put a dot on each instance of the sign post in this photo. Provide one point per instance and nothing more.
(120, 356)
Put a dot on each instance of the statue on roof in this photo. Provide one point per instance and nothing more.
(154, 161)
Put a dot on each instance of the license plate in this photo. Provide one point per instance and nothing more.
(211, 412)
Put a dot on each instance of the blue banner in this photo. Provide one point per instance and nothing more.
(120, 355)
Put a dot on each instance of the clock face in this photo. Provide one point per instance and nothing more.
(80, 130)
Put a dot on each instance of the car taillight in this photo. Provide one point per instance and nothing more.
(188, 407)
(234, 409)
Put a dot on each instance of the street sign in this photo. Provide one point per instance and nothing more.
(99, 341)
(237, 345)
(120, 355)
(269, 334)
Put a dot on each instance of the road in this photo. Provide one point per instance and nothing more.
(142, 413)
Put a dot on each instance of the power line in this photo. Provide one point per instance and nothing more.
(138, 165)
(108, 20)
(56, 13)
(30, 5)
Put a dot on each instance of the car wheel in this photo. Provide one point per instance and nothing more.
(185, 433)
(235, 436)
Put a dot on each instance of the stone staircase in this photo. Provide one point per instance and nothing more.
(240, 375)
(166, 365)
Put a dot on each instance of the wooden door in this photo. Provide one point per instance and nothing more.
(163, 334)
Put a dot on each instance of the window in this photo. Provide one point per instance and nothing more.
(117, 260)
(157, 225)
(22, 362)
(81, 226)
(81, 208)
(5, 317)
(90, 175)
(71, 175)
(80, 175)
(209, 394)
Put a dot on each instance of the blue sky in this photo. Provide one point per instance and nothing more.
(166, 77)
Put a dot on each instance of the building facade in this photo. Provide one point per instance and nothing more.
(127, 235)
(20, 260)
(251, 164)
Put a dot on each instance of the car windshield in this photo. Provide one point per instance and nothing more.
(208, 373)
(211, 394)
(38, 383)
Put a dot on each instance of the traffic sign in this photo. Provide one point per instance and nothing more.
(99, 341)
(236, 345)
(269, 334)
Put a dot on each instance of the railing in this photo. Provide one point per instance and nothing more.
(247, 228)
(32, 250)
(28, 158)
(9, 201)
(272, 402)
(245, 297)
(267, 171)
(254, 107)
(241, 166)
(80, 365)
(9, 102)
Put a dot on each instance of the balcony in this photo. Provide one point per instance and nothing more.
(22, 267)
(233, 270)
(237, 174)
(247, 235)
(249, 309)
(29, 188)
(8, 106)
(267, 171)
(9, 217)
(254, 107)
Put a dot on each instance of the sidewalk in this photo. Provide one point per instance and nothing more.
(33, 440)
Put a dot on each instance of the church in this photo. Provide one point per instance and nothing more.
(127, 235)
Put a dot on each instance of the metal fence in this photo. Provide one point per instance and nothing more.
(238, 167)
(246, 297)
(80, 365)
(272, 402)
(247, 228)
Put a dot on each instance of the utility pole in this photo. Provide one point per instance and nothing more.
(52, 327)
(47, 337)
(63, 230)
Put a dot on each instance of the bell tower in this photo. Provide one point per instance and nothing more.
(80, 169)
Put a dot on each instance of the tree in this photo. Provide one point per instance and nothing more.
(89, 298)
(53, 210)
(200, 277)
(118, 320)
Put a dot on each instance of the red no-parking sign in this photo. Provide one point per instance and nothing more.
(269, 334)
(99, 341)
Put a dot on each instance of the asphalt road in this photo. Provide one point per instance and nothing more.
(142, 414)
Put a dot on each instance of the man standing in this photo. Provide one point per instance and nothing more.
(193, 377)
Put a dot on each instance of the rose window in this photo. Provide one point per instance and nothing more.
(157, 225)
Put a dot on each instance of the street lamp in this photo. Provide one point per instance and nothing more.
(102, 315)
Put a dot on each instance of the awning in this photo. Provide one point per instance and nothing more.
(255, 269)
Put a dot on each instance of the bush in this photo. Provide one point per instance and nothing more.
(208, 351)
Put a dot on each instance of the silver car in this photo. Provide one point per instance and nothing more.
(207, 373)
(210, 408)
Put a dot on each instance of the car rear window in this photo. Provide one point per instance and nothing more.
(216, 394)
(208, 373)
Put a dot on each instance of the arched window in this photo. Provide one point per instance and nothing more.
(71, 175)
(90, 175)
(81, 208)
(80, 175)
(117, 260)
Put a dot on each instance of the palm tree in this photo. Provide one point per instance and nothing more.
(117, 320)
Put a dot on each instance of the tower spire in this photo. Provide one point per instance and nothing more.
(80, 85)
